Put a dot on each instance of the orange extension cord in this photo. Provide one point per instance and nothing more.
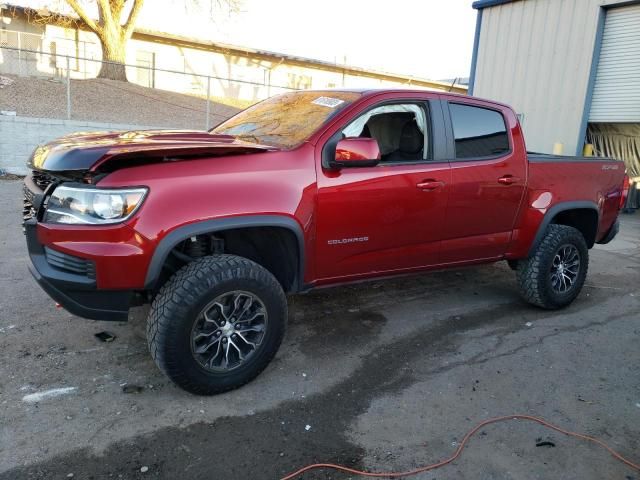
(458, 451)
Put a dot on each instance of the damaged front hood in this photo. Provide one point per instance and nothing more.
(93, 151)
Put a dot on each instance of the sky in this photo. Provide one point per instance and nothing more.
(425, 38)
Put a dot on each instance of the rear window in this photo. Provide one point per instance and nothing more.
(478, 132)
(287, 120)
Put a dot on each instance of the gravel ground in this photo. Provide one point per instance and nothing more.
(386, 375)
(101, 100)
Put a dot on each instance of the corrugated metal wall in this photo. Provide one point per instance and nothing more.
(536, 56)
(616, 94)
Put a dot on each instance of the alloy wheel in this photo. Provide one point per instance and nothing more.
(228, 331)
(565, 268)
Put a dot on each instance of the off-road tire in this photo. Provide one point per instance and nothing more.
(175, 308)
(533, 273)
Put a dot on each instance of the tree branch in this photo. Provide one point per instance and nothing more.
(116, 8)
(105, 11)
(83, 15)
(133, 16)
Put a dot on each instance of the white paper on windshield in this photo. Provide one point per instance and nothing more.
(328, 102)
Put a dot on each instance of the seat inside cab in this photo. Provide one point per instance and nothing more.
(398, 129)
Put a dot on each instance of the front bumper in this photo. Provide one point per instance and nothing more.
(76, 292)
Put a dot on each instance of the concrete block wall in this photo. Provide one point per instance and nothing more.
(19, 136)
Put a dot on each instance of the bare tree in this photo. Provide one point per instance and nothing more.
(112, 32)
(115, 25)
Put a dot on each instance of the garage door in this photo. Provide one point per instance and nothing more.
(616, 94)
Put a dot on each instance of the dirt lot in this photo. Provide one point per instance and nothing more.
(93, 100)
(385, 375)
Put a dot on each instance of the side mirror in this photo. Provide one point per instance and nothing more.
(356, 152)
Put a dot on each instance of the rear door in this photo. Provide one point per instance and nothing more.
(387, 218)
(488, 178)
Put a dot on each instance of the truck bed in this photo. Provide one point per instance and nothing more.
(548, 157)
(575, 179)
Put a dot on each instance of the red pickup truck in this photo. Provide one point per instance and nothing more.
(303, 190)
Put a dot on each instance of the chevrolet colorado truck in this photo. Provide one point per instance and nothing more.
(303, 190)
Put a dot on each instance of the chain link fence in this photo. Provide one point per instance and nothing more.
(59, 69)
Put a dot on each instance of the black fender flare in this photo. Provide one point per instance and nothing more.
(173, 238)
(555, 210)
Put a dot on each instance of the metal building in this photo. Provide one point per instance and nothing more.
(570, 69)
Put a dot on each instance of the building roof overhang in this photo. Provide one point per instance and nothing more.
(480, 4)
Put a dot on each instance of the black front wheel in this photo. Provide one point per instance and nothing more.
(554, 274)
(217, 323)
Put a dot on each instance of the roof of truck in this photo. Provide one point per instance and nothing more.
(368, 92)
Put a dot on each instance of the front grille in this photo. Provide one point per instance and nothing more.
(70, 263)
(40, 180)
(28, 212)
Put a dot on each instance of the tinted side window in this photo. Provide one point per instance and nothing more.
(479, 132)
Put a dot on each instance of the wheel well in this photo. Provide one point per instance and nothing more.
(583, 219)
(274, 248)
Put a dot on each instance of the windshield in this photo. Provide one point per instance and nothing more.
(286, 120)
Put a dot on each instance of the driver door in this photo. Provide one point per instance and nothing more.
(388, 218)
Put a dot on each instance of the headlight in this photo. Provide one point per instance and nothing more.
(79, 205)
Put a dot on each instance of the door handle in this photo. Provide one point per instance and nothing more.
(508, 180)
(430, 185)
